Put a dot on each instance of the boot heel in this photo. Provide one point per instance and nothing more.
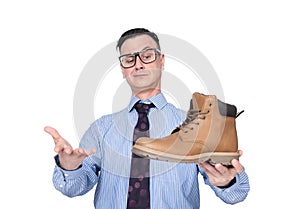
(223, 158)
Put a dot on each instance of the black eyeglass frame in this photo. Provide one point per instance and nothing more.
(137, 54)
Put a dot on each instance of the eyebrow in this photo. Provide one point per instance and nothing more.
(146, 47)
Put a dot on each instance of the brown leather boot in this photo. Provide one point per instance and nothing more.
(207, 134)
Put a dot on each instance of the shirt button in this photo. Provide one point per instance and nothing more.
(60, 185)
(66, 175)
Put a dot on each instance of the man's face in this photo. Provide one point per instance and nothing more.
(141, 76)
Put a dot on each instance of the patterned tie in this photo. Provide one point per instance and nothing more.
(138, 191)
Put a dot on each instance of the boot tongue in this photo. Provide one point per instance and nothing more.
(187, 120)
(197, 101)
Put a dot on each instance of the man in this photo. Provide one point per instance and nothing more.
(105, 158)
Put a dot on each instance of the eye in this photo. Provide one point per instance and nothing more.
(128, 59)
(147, 55)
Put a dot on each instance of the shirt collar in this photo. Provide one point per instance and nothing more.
(158, 100)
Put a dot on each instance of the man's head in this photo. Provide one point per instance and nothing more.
(141, 61)
(135, 32)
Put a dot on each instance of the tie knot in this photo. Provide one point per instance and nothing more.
(143, 108)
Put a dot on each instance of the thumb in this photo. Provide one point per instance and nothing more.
(53, 132)
(237, 165)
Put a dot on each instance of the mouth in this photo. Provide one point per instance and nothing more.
(140, 74)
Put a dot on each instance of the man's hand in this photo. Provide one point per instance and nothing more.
(69, 158)
(220, 175)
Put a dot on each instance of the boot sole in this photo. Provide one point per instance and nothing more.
(213, 158)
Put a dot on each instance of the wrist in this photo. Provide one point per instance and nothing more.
(232, 182)
(65, 167)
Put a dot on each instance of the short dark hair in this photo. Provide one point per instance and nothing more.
(135, 32)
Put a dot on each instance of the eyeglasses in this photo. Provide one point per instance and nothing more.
(146, 56)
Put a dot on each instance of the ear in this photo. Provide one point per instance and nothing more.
(123, 71)
(162, 61)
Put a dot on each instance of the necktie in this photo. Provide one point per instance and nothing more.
(138, 191)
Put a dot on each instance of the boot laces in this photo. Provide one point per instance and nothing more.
(191, 116)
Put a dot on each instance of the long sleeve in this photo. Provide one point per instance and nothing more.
(83, 179)
(172, 185)
(233, 194)
(77, 182)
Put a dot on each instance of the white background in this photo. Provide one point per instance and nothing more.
(254, 47)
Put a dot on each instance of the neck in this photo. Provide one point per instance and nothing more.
(146, 94)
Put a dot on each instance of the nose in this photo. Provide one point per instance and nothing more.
(139, 65)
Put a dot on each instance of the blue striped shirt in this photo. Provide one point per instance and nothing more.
(172, 185)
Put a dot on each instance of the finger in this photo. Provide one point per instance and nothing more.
(91, 151)
(81, 151)
(203, 167)
(58, 148)
(237, 165)
(210, 169)
(202, 164)
(240, 152)
(62, 147)
(53, 132)
(222, 169)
